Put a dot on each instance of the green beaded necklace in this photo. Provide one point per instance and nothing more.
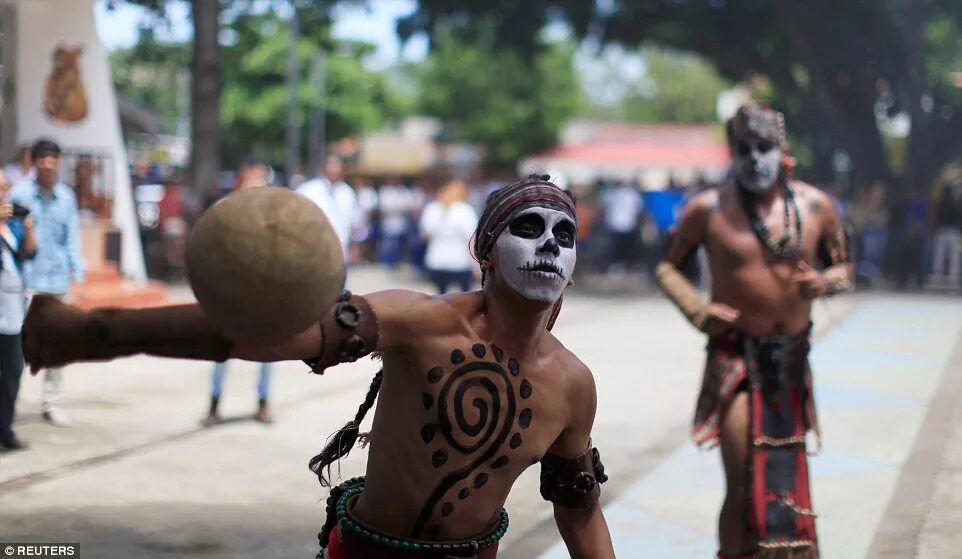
(787, 245)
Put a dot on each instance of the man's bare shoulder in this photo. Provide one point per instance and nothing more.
(577, 374)
(413, 312)
(581, 401)
(706, 201)
(813, 199)
(689, 231)
(581, 380)
(457, 309)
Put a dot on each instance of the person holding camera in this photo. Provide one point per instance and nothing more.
(17, 244)
(58, 260)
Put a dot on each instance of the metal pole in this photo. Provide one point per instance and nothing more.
(183, 102)
(315, 138)
(293, 135)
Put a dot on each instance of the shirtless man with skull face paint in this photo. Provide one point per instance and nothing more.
(474, 389)
(774, 245)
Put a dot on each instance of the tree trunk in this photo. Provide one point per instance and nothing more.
(206, 68)
(845, 120)
(293, 131)
(864, 143)
(933, 143)
(925, 148)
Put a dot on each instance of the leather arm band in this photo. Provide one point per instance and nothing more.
(573, 483)
(833, 251)
(682, 293)
(348, 332)
(837, 281)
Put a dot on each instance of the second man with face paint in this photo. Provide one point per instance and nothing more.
(774, 245)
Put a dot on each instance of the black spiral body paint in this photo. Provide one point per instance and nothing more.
(493, 409)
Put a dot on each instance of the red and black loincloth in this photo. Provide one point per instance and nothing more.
(775, 373)
(345, 537)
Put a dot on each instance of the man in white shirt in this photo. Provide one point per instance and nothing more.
(335, 197)
(362, 235)
(623, 206)
(447, 224)
(396, 204)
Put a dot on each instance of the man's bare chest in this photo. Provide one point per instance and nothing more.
(478, 400)
(472, 417)
(734, 241)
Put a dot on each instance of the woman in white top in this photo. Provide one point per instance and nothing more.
(447, 224)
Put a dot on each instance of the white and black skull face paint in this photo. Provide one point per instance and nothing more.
(757, 164)
(536, 253)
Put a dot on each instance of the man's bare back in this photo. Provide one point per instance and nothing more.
(765, 292)
(460, 417)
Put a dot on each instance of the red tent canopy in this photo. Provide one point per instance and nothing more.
(650, 154)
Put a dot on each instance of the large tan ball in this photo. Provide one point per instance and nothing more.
(264, 263)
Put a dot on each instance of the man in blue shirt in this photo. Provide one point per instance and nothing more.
(58, 261)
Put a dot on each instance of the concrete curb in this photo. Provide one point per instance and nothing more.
(901, 528)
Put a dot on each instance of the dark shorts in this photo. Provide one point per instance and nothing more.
(343, 545)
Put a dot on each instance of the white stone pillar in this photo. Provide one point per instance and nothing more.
(43, 27)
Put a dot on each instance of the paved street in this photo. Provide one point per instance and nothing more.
(138, 477)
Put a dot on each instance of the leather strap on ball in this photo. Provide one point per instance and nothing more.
(349, 332)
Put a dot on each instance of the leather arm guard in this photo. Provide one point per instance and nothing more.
(833, 251)
(57, 334)
(573, 483)
(182, 331)
(348, 332)
(682, 293)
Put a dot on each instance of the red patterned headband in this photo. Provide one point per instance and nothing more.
(503, 204)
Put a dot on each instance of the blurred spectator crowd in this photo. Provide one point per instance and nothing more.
(902, 240)
(903, 237)
(907, 239)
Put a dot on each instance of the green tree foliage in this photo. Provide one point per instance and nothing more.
(206, 72)
(679, 87)
(254, 96)
(674, 86)
(510, 104)
(255, 93)
(145, 74)
(835, 67)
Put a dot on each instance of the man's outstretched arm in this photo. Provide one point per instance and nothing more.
(55, 334)
(386, 320)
